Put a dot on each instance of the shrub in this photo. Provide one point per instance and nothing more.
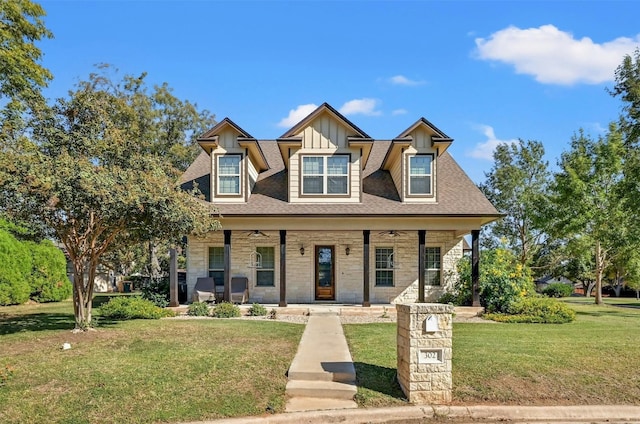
(541, 310)
(257, 310)
(558, 290)
(132, 307)
(48, 280)
(15, 268)
(448, 297)
(198, 309)
(226, 310)
(155, 290)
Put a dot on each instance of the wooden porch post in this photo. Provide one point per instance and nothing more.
(365, 266)
(173, 278)
(475, 266)
(227, 265)
(422, 235)
(283, 268)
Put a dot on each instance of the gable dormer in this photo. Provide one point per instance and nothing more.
(325, 155)
(412, 161)
(236, 160)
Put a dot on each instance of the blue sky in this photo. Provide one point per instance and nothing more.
(483, 72)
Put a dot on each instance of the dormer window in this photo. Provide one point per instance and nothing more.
(420, 175)
(229, 174)
(325, 175)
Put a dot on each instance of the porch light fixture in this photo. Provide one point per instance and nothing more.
(302, 250)
(347, 250)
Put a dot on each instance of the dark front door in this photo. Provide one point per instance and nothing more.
(325, 282)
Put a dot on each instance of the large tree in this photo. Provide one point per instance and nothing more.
(90, 172)
(588, 198)
(517, 186)
(627, 87)
(21, 75)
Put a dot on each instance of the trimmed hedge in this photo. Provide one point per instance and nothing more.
(15, 270)
(132, 307)
(542, 310)
(48, 280)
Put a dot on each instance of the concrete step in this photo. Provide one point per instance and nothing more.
(299, 404)
(341, 372)
(320, 389)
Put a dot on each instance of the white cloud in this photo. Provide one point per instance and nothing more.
(296, 115)
(484, 150)
(402, 80)
(399, 112)
(361, 107)
(552, 56)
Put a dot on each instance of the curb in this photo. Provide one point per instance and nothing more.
(567, 414)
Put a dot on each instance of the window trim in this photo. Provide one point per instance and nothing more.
(325, 176)
(426, 270)
(273, 270)
(430, 175)
(376, 269)
(240, 175)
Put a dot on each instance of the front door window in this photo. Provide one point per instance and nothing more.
(325, 284)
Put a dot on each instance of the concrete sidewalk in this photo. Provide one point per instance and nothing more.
(322, 375)
(453, 414)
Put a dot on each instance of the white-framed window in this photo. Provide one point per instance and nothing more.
(229, 174)
(265, 275)
(420, 174)
(433, 266)
(325, 174)
(384, 266)
(216, 266)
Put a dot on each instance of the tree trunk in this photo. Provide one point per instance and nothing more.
(599, 272)
(82, 293)
(154, 263)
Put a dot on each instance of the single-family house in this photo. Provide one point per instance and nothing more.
(325, 213)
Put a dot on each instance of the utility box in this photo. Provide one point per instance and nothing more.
(425, 332)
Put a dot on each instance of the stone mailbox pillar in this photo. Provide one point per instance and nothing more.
(425, 333)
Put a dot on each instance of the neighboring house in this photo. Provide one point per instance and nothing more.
(543, 283)
(326, 213)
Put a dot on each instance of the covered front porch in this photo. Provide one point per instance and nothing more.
(364, 267)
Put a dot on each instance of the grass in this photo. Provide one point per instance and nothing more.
(142, 371)
(590, 361)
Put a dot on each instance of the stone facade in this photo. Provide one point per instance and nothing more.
(425, 332)
(348, 267)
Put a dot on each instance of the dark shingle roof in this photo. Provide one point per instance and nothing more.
(457, 195)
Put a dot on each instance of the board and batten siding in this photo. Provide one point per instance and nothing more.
(324, 136)
(227, 145)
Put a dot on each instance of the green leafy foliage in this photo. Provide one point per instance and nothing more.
(517, 186)
(257, 310)
(198, 309)
(541, 310)
(156, 290)
(226, 310)
(132, 307)
(503, 279)
(49, 282)
(15, 270)
(558, 290)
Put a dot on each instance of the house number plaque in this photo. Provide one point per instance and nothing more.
(430, 356)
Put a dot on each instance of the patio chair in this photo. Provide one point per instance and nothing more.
(204, 290)
(239, 290)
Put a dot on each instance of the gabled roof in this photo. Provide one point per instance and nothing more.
(358, 139)
(209, 141)
(439, 139)
(322, 108)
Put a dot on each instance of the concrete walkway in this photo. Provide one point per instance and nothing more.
(322, 375)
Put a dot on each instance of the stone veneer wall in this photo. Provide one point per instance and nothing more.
(348, 268)
(425, 352)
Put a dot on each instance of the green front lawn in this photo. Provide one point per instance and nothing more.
(139, 371)
(590, 361)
